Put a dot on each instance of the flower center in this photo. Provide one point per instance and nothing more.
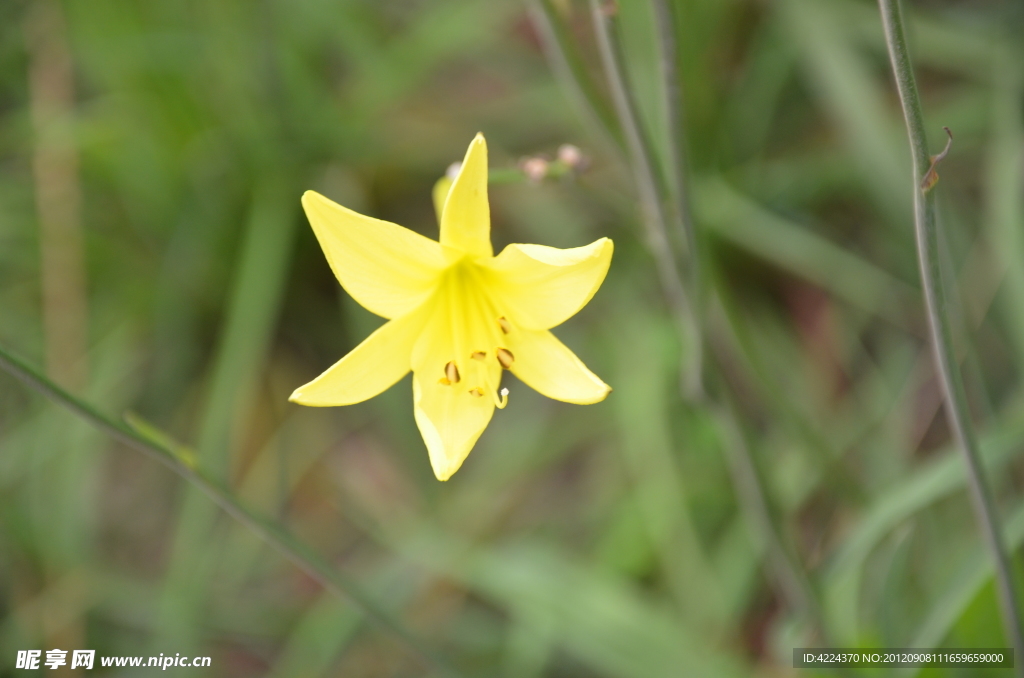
(479, 368)
(477, 329)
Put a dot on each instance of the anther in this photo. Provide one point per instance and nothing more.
(444, 381)
(478, 355)
(451, 372)
(505, 326)
(476, 392)
(505, 357)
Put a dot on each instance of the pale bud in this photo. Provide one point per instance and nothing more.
(535, 169)
(570, 156)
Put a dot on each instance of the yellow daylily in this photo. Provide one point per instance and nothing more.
(458, 315)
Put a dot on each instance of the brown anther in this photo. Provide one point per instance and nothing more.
(505, 357)
(452, 372)
(444, 381)
(505, 326)
(476, 392)
(478, 355)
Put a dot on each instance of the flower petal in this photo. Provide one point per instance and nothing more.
(450, 421)
(546, 365)
(388, 269)
(454, 394)
(544, 286)
(466, 218)
(369, 369)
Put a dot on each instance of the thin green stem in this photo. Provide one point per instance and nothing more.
(792, 579)
(926, 232)
(244, 341)
(783, 562)
(570, 71)
(672, 105)
(274, 535)
(651, 207)
(746, 479)
(676, 167)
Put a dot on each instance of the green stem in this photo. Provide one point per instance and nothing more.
(651, 207)
(672, 105)
(783, 562)
(748, 484)
(273, 534)
(676, 167)
(245, 338)
(926, 232)
(570, 71)
(746, 479)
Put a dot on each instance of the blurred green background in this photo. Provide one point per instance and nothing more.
(154, 257)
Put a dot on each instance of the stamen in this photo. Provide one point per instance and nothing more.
(505, 357)
(505, 326)
(478, 355)
(452, 373)
(444, 381)
(500, 404)
(476, 392)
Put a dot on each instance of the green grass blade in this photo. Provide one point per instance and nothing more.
(274, 534)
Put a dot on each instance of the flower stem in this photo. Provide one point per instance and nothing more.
(652, 209)
(570, 72)
(926, 232)
(273, 534)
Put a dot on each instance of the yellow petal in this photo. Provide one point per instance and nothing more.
(466, 218)
(450, 421)
(370, 368)
(388, 269)
(543, 286)
(544, 364)
(454, 393)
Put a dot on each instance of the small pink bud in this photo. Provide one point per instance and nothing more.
(570, 155)
(535, 169)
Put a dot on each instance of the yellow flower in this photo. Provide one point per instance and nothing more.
(458, 315)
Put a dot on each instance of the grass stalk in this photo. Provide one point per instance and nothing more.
(270, 532)
(793, 581)
(794, 584)
(672, 105)
(789, 575)
(676, 172)
(570, 71)
(252, 310)
(58, 195)
(641, 161)
(927, 236)
(63, 286)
